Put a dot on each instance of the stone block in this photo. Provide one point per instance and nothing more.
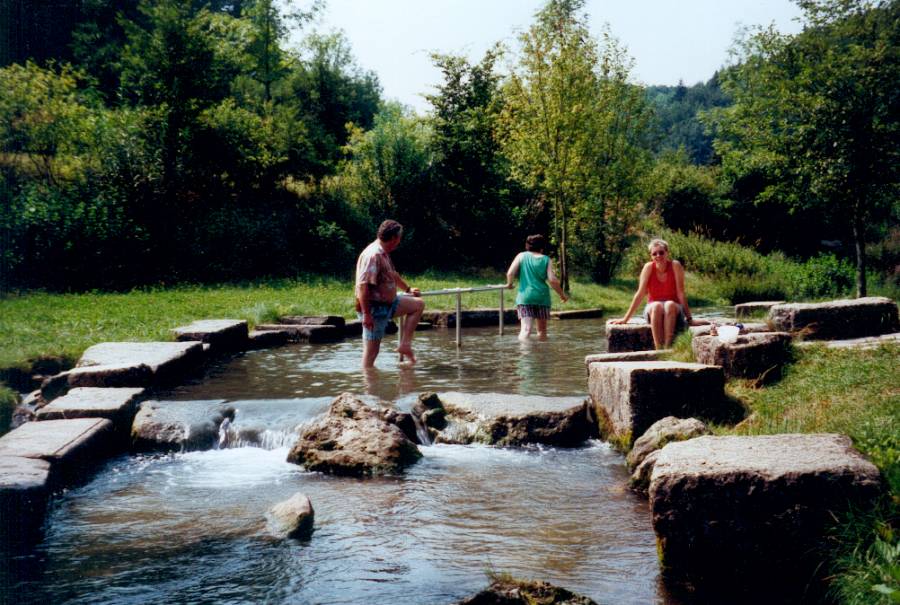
(660, 433)
(748, 328)
(264, 339)
(755, 309)
(353, 328)
(65, 444)
(471, 318)
(577, 314)
(179, 425)
(307, 332)
(116, 405)
(741, 510)
(24, 491)
(636, 335)
(220, 334)
(750, 356)
(652, 355)
(837, 319)
(629, 396)
(317, 320)
(866, 342)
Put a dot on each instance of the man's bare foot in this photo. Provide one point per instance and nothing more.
(406, 351)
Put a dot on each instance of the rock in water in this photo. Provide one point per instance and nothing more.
(354, 439)
(292, 518)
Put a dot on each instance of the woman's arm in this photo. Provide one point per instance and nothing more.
(679, 290)
(643, 283)
(554, 282)
(513, 270)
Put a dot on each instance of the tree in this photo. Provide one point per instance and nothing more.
(478, 203)
(818, 112)
(574, 131)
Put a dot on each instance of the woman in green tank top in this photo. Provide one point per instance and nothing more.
(535, 271)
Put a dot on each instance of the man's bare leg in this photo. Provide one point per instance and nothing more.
(412, 308)
(525, 330)
(370, 352)
(671, 312)
(657, 327)
(542, 329)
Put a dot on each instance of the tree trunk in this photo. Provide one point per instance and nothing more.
(859, 243)
(563, 247)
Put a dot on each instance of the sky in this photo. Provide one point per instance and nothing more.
(669, 40)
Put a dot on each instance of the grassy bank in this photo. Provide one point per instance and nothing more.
(37, 324)
(856, 393)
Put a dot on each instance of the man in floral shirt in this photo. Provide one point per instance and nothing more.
(377, 301)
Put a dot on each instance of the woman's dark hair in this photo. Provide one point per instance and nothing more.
(535, 243)
(389, 229)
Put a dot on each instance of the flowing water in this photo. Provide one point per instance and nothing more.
(191, 527)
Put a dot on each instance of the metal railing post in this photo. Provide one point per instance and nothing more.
(501, 312)
(458, 319)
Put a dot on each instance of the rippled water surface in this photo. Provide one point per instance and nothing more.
(191, 527)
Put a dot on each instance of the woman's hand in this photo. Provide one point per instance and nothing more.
(564, 298)
(621, 320)
(510, 285)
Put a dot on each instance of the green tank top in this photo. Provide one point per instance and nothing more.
(533, 289)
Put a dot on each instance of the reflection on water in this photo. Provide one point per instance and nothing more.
(191, 528)
(485, 362)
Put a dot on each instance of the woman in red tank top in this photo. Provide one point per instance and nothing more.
(662, 282)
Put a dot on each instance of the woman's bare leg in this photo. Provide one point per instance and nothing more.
(525, 330)
(542, 329)
(657, 324)
(671, 312)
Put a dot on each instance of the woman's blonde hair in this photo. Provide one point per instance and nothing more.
(657, 242)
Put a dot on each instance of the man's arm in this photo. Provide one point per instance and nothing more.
(401, 283)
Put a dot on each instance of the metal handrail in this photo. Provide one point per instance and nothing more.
(459, 292)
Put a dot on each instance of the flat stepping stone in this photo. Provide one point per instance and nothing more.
(314, 320)
(750, 356)
(748, 328)
(629, 396)
(265, 339)
(424, 325)
(24, 491)
(868, 342)
(220, 334)
(307, 333)
(128, 364)
(652, 355)
(577, 314)
(506, 419)
(837, 319)
(116, 405)
(735, 510)
(755, 309)
(64, 443)
(179, 425)
(471, 318)
(636, 335)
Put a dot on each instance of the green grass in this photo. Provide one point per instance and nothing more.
(38, 324)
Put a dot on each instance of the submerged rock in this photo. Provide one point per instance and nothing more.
(355, 439)
(292, 518)
(503, 419)
(506, 590)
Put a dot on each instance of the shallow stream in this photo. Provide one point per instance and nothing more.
(191, 528)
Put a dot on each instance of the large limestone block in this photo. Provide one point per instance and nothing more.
(636, 335)
(102, 376)
(63, 443)
(629, 396)
(750, 356)
(471, 318)
(354, 439)
(307, 332)
(265, 339)
(747, 328)
(316, 320)
(652, 355)
(24, 490)
(738, 510)
(662, 432)
(755, 308)
(836, 319)
(220, 334)
(179, 425)
(866, 342)
(504, 419)
(116, 405)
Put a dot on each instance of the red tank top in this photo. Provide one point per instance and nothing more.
(662, 290)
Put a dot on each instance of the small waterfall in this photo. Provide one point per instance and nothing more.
(223, 434)
(421, 430)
